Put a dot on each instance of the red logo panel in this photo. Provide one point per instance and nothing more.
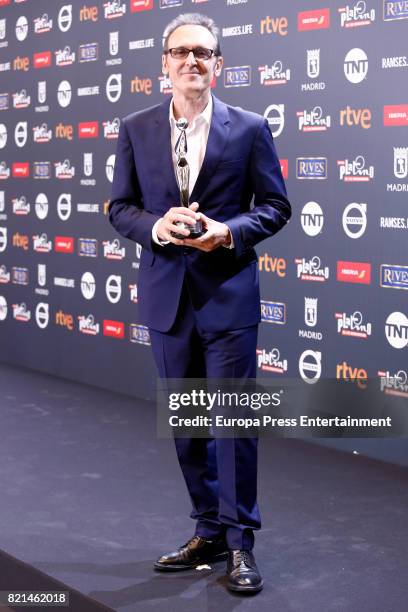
(314, 20)
(114, 329)
(354, 272)
(140, 5)
(88, 129)
(396, 114)
(42, 60)
(20, 170)
(284, 168)
(64, 244)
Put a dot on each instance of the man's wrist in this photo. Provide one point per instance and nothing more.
(228, 240)
(155, 236)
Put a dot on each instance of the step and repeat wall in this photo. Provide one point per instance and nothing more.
(332, 80)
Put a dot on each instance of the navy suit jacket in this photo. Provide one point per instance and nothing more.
(240, 166)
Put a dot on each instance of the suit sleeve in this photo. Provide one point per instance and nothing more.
(271, 209)
(126, 211)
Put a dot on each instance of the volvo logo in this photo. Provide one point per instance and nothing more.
(65, 17)
(114, 87)
(20, 133)
(64, 206)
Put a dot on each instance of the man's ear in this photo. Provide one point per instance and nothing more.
(218, 66)
(165, 70)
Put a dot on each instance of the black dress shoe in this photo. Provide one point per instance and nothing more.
(195, 552)
(243, 574)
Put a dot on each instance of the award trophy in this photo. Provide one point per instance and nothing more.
(183, 179)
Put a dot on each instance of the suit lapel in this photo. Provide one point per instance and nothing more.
(217, 140)
(162, 154)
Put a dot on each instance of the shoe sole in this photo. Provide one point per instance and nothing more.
(163, 567)
(245, 589)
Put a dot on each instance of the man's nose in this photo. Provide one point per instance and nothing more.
(191, 58)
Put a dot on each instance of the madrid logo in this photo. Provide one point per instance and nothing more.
(313, 63)
(401, 162)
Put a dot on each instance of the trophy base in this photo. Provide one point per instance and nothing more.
(196, 230)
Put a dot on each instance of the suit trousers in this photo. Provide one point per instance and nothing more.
(220, 473)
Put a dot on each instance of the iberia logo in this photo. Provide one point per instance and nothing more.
(42, 60)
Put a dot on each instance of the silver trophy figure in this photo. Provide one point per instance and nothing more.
(183, 180)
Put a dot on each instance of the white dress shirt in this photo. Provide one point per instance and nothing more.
(197, 137)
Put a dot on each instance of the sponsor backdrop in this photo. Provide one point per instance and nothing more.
(331, 79)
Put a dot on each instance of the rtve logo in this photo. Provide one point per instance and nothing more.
(276, 265)
(64, 131)
(360, 117)
(141, 86)
(21, 63)
(88, 13)
(21, 241)
(347, 372)
(274, 25)
(64, 320)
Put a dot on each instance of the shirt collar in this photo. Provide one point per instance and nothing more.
(204, 116)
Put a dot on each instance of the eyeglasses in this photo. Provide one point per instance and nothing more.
(200, 53)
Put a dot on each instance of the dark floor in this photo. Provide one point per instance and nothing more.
(91, 497)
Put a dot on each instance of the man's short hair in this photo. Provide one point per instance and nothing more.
(193, 19)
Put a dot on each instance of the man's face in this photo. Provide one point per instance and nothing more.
(191, 76)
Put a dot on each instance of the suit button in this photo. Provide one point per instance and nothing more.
(186, 251)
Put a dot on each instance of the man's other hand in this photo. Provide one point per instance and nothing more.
(216, 234)
(168, 223)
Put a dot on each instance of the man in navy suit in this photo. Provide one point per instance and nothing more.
(200, 296)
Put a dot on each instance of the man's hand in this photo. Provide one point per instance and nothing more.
(167, 224)
(216, 234)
